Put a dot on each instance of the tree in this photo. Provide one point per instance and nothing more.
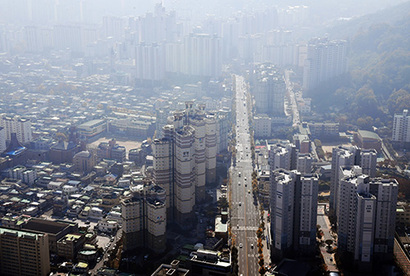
(261, 262)
(222, 203)
(259, 232)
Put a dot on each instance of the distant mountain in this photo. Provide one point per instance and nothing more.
(346, 28)
(378, 83)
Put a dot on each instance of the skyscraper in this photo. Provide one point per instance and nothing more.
(185, 160)
(269, 90)
(366, 218)
(202, 55)
(347, 157)
(144, 218)
(18, 125)
(24, 253)
(282, 156)
(401, 127)
(325, 60)
(294, 211)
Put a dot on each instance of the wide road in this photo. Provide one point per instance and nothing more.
(244, 211)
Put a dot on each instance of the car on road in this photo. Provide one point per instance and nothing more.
(240, 245)
(249, 191)
(252, 245)
(240, 203)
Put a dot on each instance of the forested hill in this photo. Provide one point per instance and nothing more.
(378, 83)
(347, 29)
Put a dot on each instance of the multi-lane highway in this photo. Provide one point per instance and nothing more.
(244, 212)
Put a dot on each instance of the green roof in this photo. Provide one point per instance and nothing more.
(368, 134)
(21, 234)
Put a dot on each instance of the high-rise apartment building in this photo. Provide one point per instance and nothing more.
(185, 160)
(24, 253)
(366, 218)
(347, 157)
(294, 210)
(202, 55)
(401, 127)
(144, 218)
(325, 60)
(2, 139)
(150, 62)
(282, 156)
(269, 90)
(304, 163)
(18, 125)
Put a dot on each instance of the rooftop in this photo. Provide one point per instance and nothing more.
(45, 226)
(368, 134)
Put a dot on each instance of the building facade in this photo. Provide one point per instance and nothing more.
(401, 127)
(18, 125)
(366, 218)
(185, 160)
(24, 253)
(144, 218)
(294, 210)
(347, 157)
(325, 60)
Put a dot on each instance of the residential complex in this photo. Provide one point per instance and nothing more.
(144, 218)
(269, 90)
(366, 218)
(24, 253)
(325, 60)
(294, 208)
(20, 126)
(185, 160)
(401, 127)
(349, 156)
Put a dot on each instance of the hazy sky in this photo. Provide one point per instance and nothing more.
(91, 11)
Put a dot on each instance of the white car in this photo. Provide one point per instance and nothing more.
(240, 245)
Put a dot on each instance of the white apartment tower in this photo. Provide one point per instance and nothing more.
(282, 156)
(348, 157)
(211, 147)
(269, 90)
(294, 211)
(202, 55)
(150, 62)
(366, 218)
(185, 160)
(325, 60)
(18, 125)
(304, 163)
(144, 218)
(401, 127)
(2, 139)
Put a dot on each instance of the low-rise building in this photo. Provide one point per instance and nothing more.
(208, 262)
(69, 245)
(172, 269)
(107, 226)
(368, 140)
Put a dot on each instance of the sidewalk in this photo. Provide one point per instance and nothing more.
(267, 238)
(325, 225)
